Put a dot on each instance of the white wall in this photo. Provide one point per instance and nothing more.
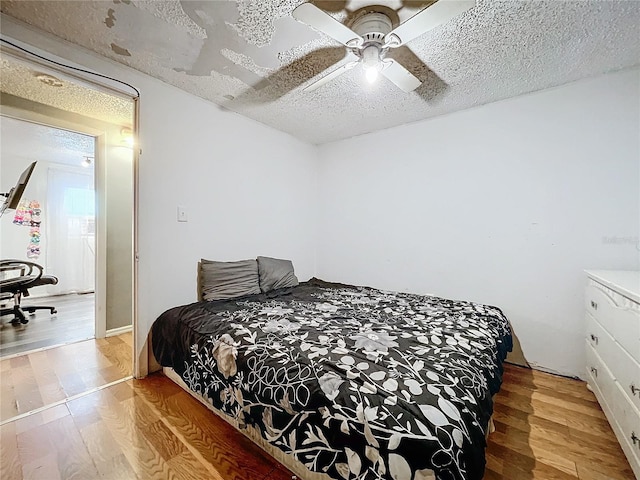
(248, 189)
(504, 204)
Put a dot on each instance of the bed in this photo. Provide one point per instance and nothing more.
(345, 382)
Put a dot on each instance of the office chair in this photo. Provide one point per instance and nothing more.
(26, 275)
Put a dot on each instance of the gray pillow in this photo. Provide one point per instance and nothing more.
(225, 280)
(275, 273)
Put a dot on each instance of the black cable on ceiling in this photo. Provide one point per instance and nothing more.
(71, 67)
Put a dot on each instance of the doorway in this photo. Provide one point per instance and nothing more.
(95, 190)
(53, 226)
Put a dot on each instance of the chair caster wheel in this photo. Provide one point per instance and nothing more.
(24, 321)
(15, 322)
(54, 311)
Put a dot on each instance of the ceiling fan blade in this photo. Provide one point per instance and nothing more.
(399, 75)
(314, 17)
(432, 88)
(327, 78)
(438, 13)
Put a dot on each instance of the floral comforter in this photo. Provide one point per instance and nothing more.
(353, 382)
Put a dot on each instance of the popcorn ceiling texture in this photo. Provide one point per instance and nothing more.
(256, 19)
(256, 54)
(38, 142)
(171, 12)
(20, 81)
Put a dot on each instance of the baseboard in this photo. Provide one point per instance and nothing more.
(118, 331)
(540, 368)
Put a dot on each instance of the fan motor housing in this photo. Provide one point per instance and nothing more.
(372, 27)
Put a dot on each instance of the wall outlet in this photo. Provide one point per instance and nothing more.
(182, 214)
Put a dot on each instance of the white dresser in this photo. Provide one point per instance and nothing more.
(613, 353)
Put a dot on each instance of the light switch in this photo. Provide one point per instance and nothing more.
(182, 214)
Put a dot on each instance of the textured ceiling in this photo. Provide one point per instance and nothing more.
(252, 57)
(21, 80)
(38, 142)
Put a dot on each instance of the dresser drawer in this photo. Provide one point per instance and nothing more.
(619, 316)
(601, 306)
(627, 373)
(603, 343)
(624, 368)
(599, 375)
(628, 419)
(628, 332)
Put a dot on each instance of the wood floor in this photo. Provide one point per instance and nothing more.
(74, 321)
(548, 428)
(43, 378)
(149, 429)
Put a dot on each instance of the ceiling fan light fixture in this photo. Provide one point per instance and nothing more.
(371, 62)
(371, 57)
(371, 74)
(372, 35)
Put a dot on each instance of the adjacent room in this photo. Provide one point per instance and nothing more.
(58, 210)
(361, 240)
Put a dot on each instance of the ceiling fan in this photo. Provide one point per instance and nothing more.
(372, 36)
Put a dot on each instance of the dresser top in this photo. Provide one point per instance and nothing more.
(625, 282)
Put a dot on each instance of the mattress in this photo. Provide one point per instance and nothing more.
(348, 382)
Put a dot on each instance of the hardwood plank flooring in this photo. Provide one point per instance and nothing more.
(74, 321)
(550, 427)
(153, 429)
(44, 377)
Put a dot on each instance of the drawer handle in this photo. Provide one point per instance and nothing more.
(594, 339)
(634, 389)
(594, 305)
(594, 370)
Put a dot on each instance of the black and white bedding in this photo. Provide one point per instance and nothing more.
(353, 382)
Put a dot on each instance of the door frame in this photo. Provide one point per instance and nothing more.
(85, 80)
